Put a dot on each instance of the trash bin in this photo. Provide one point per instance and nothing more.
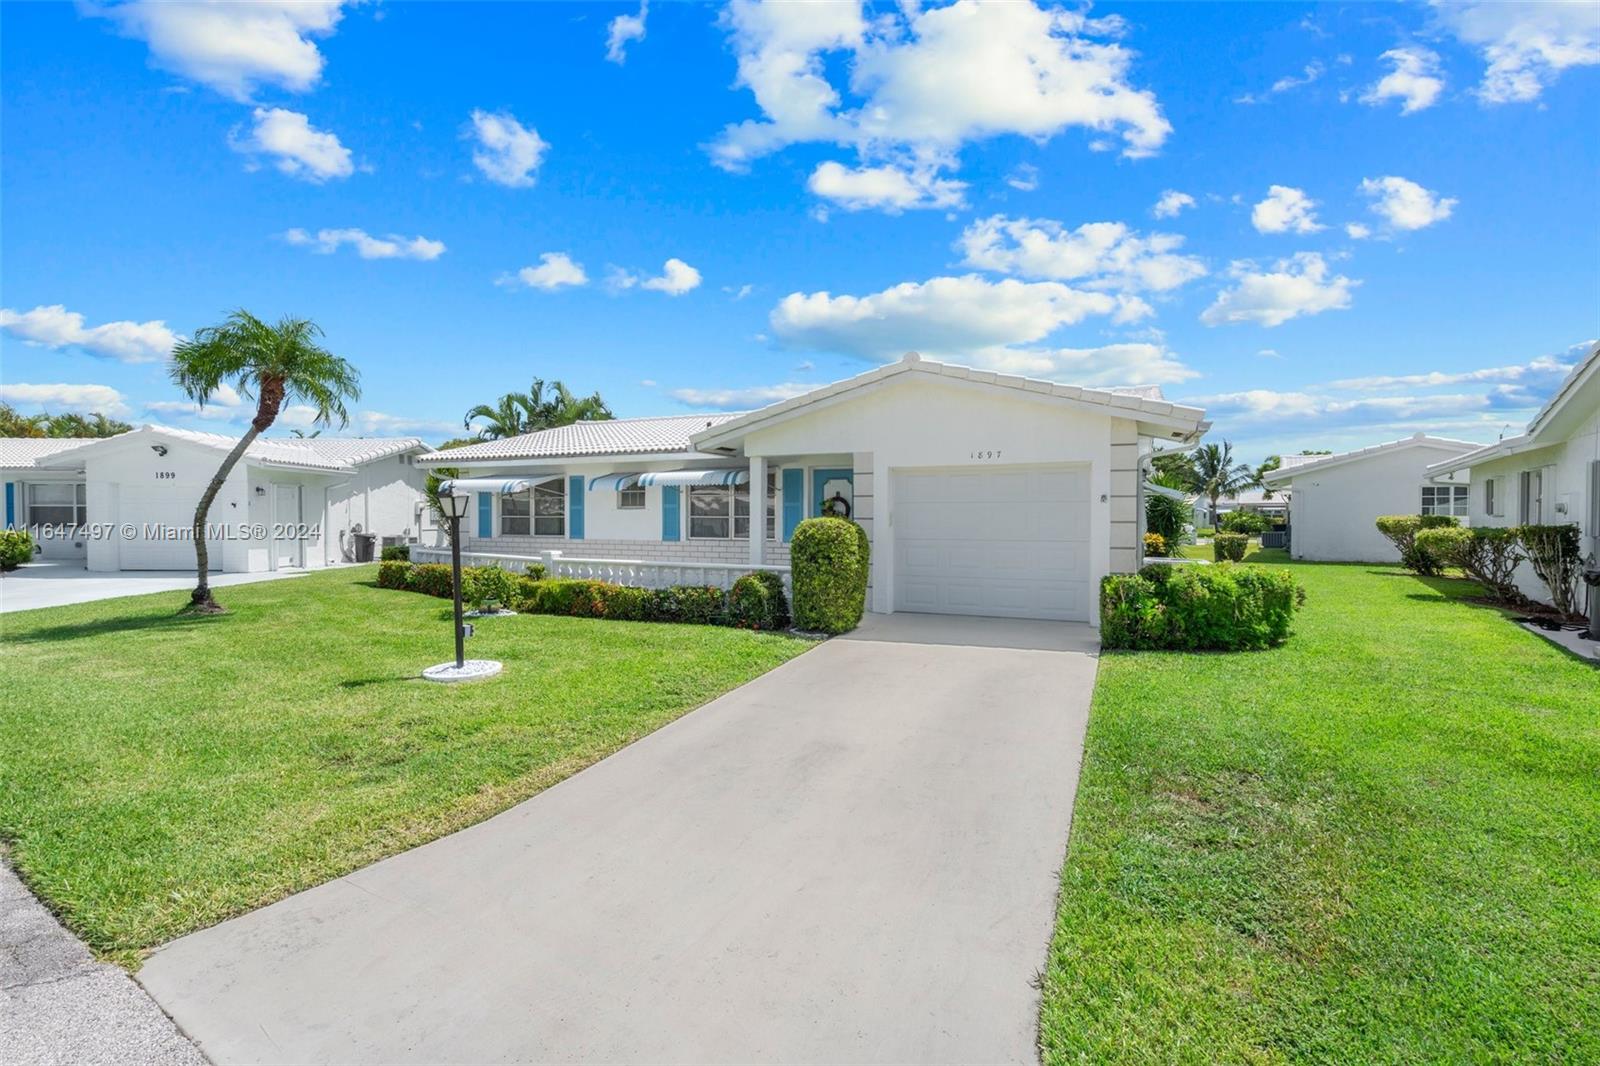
(366, 545)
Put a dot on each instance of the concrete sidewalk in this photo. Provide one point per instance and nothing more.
(36, 585)
(853, 858)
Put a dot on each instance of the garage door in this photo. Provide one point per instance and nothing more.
(149, 510)
(1011, 542)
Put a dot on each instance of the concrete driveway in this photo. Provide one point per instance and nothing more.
(853, 858)
(58, 584)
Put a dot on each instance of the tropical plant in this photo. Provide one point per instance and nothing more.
(1217, 475)
(430, 493)
(274, 364)
(1155, 545)
(15, 424)
(1174, 470)
(1167, 516)
(544, 406)
(68, 424)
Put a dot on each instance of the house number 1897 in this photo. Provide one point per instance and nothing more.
(987, 455)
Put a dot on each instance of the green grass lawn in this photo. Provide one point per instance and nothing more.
(1379, 843)
(160, 772)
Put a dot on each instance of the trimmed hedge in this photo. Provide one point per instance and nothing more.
(1198, 608)
(829, 561)
(756, 601)
(396, 553)
(394, 574)
(1402, 530)
(16, 548)
(479, 584)
(1246, 522)
(1229, 547)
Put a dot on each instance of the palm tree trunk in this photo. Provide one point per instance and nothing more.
(201, 597)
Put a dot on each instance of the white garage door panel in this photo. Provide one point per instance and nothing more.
(1011, 543)
(145, 510)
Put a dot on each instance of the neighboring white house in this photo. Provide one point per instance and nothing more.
(288, 503)
(982, 493)
(1274, 506)
(1335, 500)
(49, 502)
(1549, 475)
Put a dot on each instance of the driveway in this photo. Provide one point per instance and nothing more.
(853, 858)
(58, 584)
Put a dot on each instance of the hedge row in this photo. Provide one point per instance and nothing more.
(756, 601)
(1490, 555)
(1198, 608)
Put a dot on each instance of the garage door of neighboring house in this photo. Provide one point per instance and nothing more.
(1008, 542)
(146, 511)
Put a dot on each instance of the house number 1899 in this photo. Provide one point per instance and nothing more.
(986, 455)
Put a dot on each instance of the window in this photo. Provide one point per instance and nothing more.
(772, 504)
(550, 508)
(630, 499)
(710, 512)
(1445, 499)
(741, 511)
(1488, 497)
(1531, 489)
(514, 508)
(56, 505)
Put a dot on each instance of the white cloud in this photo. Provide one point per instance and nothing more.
(676, 278)
(739, 292)
(301, 150)
(1171, 203)
(223, 405)
(1025, 178)
(1527, 45)
(1357, 231)
(1311, 73)
(1106, 255)
(394, 246)
(54, 326)
(379, 423)
(1128, 363)
(1405, 205)
(556, 270)
(232, 47)
(507, 152)
(742, 399)
(1548, 370)
(1285, 210)
(1299, 285)
(625, 28)
(1413, 79)
(84, 399)
(924, 82)
(888, 187)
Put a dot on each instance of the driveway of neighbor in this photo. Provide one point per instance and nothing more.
(853, 858)
(59, 584)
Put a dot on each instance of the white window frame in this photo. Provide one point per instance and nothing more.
(737, 518)
(1488, 496)
(772, 503)
(78, 508)
(1452, 500)
(554, 522)
(632, 499)
(1531, 493)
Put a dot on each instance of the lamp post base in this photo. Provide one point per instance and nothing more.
(471, 670)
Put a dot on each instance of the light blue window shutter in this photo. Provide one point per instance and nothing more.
(670, 523)
(485, 515)
(794, 499)
(575, 507)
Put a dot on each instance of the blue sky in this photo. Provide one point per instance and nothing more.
(1377, 218)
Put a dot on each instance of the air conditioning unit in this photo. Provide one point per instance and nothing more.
(393, 542)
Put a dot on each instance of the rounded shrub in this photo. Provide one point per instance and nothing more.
(1229, 547)
(394, 574)
(396, 553)
(757, 602)
(829, 559)
(16, 548)
(483, 585)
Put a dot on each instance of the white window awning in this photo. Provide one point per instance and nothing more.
(696, 477)
(613, 482)
(502, 485)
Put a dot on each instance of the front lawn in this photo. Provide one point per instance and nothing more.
(1380, 842)
(160, 772)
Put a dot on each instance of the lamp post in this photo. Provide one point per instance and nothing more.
(453, 506)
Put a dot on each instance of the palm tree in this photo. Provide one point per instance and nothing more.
(15, 424)
(543, 406)
(273, 363)
(1217, 475)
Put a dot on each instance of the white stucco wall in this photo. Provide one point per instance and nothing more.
(384, 497)
(1333, 513)
(49, 547)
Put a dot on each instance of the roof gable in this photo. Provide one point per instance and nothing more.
(309, 453)
(1320, 463)
(25, 453)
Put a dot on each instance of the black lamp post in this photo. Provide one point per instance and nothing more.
(455, 509)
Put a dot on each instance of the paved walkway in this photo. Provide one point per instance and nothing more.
(57, 1005)
(853, 858)
(58, 584)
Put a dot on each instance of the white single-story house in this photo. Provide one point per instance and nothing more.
(1275, 505)
(1548, 475)
(288, 503)
(1335, 500)
(982, 493)
(48, 500)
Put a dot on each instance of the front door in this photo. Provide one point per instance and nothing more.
(285, 517)
(829, 488)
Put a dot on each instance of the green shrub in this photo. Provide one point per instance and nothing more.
(1247, 522)
(553, 595)
(394, 574)
(396, 553)
(483, 585)
(1167, 516)
(1198, 608)
(16, 548)
(1402, 530)
(1489, 556)
(432, 579)
(1155, 545)
(829, 559)
(695, 604)
(1229, 547)
(1437, 521)
(757, 602)
(1556, 555)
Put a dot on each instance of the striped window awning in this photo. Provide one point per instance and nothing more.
(502, 485)
(695, 477)
(613, 482)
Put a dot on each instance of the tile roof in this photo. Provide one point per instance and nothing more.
(21, 453)
(309, 453)
(613, 436)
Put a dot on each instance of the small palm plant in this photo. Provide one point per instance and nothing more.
(275, 364)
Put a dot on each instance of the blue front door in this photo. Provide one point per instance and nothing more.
(826, 484)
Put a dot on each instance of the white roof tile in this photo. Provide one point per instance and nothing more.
(613, 436)
(310, 453)
(22, 453)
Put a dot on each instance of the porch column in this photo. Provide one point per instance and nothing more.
(758, 508)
